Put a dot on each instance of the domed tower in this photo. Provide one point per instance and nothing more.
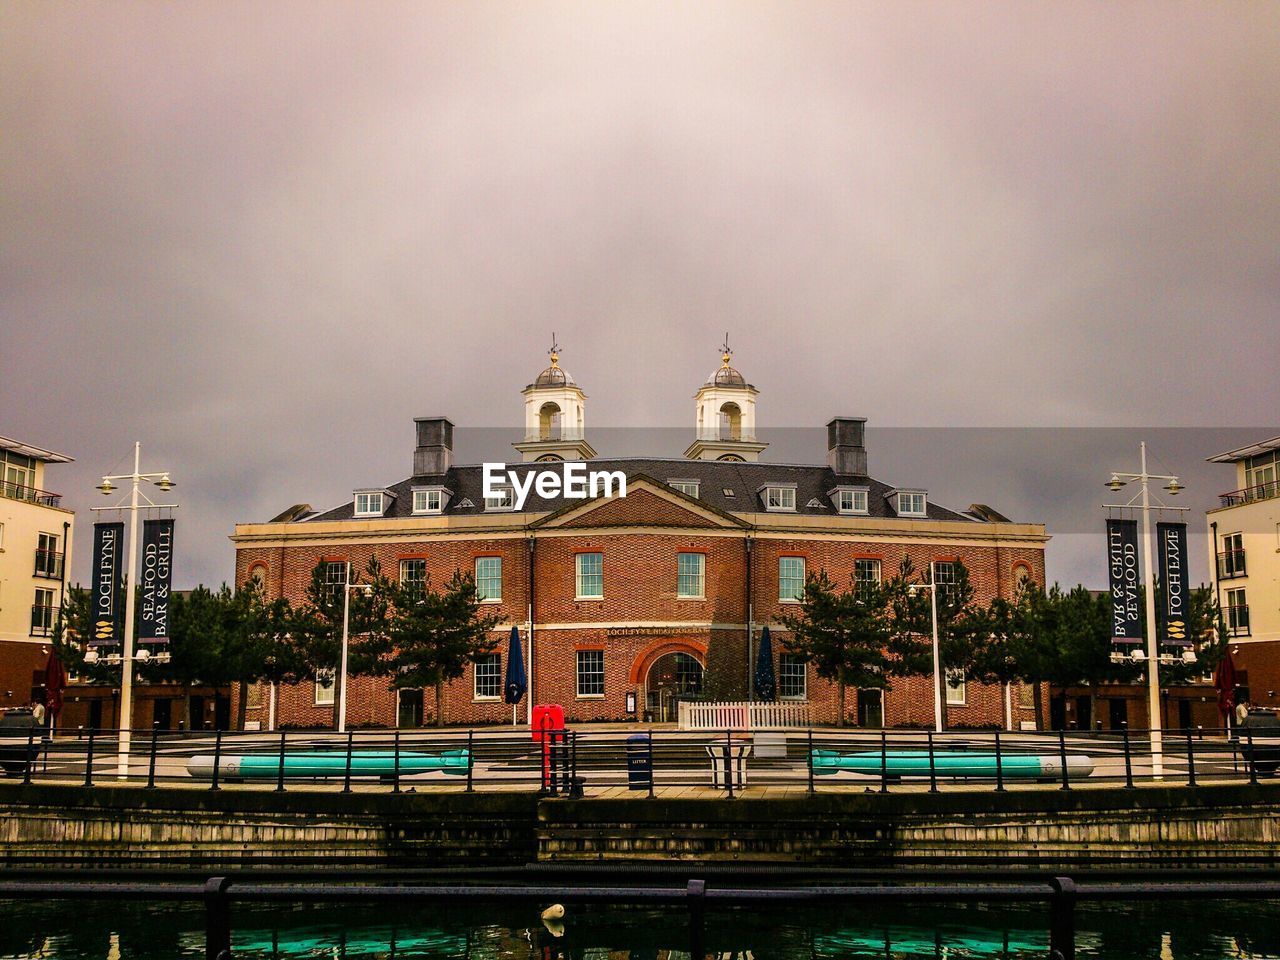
(554, 416)
(726, 406)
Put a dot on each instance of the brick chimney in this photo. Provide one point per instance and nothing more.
(434, 454)
(846, 451)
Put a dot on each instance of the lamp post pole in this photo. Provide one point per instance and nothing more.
(1155, 722)
(161, 480)
(932, 587)
(346, 643)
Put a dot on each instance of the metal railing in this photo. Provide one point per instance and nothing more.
(1237, 617)
(20, 491)
(745, 716)
(567, 762)
(696, 897)
(1231, 564)
(48, 564)
(1259, 491)
(42, 616)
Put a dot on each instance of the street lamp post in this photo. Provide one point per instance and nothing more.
(346, 635)
(932, 587)
(161, 480)
(1152, 655)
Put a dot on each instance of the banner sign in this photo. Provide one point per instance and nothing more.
(108, 584)
(1171, 539)
(1122, 564)
(156, 581)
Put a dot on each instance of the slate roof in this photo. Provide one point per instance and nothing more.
(714, 478)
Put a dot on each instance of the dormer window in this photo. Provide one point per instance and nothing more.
(688, 487)
(780, 497)
(370, 503)
(911, 503)
(429, 499)
(850, 500)
(505, 500)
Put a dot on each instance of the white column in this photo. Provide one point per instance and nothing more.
(130, 605)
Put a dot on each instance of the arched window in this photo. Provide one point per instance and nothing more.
(258, 574)
(549, 421)
(730, 422)
(1021, 578)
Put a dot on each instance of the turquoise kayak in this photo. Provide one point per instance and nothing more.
(364, 763)
(915, 763)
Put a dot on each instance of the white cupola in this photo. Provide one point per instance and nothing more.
(554, 415)
(726, 411)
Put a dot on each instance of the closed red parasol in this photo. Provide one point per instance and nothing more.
(1224, 681)
(55, 681)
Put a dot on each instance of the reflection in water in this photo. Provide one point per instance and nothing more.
(1185, 931)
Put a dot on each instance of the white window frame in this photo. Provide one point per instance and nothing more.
(903, 511)
(957, 692)
(701, 574)
(488, 597)
(879, 568)
(782, 597)
(578, 575)
(688, 487)
(42, 600)
(423, 498)
(783, 493)
(788, 662)
(422, 584)
(504, 502)
(487, 660)
(330, 688)
(858, 501)
(369, 510)
(578, 674)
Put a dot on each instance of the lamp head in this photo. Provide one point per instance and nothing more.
(1188, 656)
(143, 655)
(107, 487)
(1174, 487)
(1139, 655)
(165, 484)
(1115, 483)
(91, 656)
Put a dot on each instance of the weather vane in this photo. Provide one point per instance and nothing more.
(726, 354)
(554, 352)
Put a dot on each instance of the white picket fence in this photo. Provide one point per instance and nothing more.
(743, 716)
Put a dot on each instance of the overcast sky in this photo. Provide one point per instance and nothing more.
(261, 238)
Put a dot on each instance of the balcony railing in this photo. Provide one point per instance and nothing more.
(48, 564)
(1231, 564)
(41, 620)
(20, 491)
(1238, 620)
(1260, 491)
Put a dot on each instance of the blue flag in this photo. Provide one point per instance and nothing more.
(516, 684)
(766, 686)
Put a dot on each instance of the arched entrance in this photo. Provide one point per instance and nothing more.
(671, 676)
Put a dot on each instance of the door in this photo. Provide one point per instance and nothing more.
(1084, 714)
(221, 712)
(196, 720)
(162, 714)
(870, 708)
(410, 713)
(1184, 714)
(1119, 718)
(95, 714)
(1058, 713)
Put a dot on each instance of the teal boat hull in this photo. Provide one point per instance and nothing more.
(325, 764)
(916, 763)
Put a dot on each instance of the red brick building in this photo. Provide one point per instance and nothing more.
(625, 604)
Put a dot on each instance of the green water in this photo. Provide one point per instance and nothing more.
(1165, 931)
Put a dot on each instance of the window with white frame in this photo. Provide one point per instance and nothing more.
(790, 578)
(48, 559)
(488, 676)
(42, 613)
(505, 499)
(851, 500)
(590, 673)
(945, 576)
(687, 487)
(690, 575)
(335, 578)
(428, 500)
(413, 576)
(780, 498)
(911, 503)
(1237, 612)
(955, 684)
(866, 574)
(325, 687)
(589, 576)
(369, 503)
(489, 579)
(791, 677)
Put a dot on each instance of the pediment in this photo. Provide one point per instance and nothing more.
(648, 503)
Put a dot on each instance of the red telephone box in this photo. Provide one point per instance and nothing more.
(548, 727)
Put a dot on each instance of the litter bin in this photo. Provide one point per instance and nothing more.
(639, 762)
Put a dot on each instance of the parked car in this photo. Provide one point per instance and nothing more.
(21, 740)
(1259, 736)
